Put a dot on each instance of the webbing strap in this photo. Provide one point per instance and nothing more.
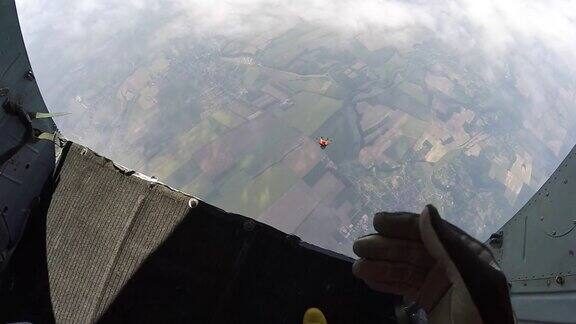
(47, 136)
(30, 133)
(41, 115)
(15, 109)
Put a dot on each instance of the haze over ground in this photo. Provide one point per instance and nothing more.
(518, 53)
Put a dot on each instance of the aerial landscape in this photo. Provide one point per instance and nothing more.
(234, 120)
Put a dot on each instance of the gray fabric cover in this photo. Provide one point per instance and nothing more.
(106, 245)
(102, 226)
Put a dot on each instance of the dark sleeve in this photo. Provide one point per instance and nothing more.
(487, 285)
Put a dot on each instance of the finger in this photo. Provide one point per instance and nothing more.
(430, 236)
(400, 225)
(314, 315)
(396, 288)
(377, 247)
(434, 287)
(388, 272)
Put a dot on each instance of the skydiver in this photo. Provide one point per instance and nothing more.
(324, 142)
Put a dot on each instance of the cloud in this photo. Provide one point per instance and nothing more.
(501, 24)
(343, 15)
(494, 26)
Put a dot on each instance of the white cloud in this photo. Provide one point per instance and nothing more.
(502, 23)
(497, 25)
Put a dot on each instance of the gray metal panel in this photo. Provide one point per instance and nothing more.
(545, 300)
(22, 177)
(538, 252)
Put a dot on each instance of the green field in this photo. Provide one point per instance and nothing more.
(201, 134)
(251, 74)
(314, 85)
(235, 183)
(401, 100)
(448, 158)
(310, 111)
(415, 91)
(315, 174)
(336, 91)
(283, 46)
(395, 64)
(341, 129)
(401, 145)
(201, 187)
(185, 174)
(291, 44)
(374, 58)
(227, 118)
(414, 128)
(267, 149)
(172, 157)
(256, 196)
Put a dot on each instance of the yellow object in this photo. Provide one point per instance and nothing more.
(314, 316)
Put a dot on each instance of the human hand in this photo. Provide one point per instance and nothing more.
(452, 276)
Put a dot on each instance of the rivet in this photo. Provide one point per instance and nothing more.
(193, 202)
(292, 239)
(249, 225)
(29, 75)
(560, 280)
(36, 201)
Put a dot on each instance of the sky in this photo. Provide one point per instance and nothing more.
(499, 24)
